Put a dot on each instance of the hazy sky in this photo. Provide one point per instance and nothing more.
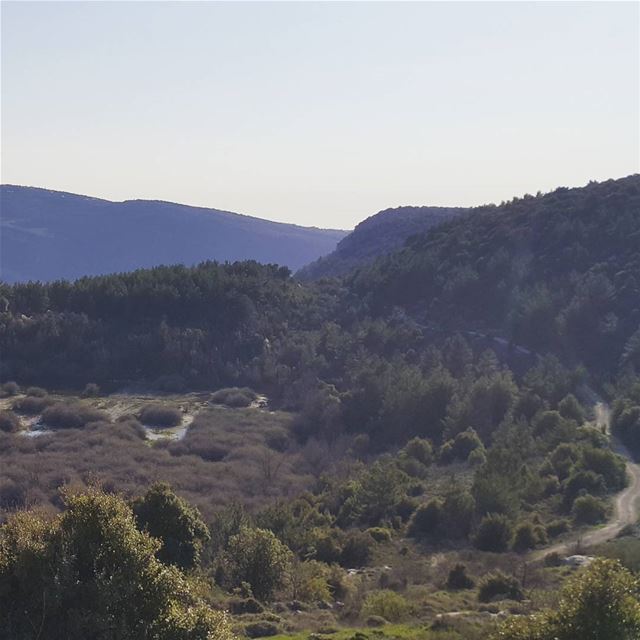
(318, 113)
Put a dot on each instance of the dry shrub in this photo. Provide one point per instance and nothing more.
(9, 422)
(234, 397)
(31, 405)
(71, 415)
(158, 415)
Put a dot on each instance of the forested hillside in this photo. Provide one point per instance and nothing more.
(393, 446)
(377, 236)
(48, 235)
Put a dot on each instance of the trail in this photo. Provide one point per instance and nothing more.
(626, 505)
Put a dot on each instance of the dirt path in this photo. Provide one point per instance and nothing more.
(626, 506)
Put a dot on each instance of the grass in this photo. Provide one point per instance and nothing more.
(390, 631)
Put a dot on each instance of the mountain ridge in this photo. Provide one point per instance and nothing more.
(49, 235)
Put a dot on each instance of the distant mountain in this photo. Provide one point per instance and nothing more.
(48, 235)
(376, 236)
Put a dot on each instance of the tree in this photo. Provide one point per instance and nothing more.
(174, 522)
(90, 573)
(600, 603)
(257, 557)
(494, 533)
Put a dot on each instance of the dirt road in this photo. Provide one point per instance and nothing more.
(626, 506)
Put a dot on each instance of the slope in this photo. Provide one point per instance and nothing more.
(376, 236)
(47, 235)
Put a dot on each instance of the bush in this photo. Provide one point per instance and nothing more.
(466, 442)
(257, 557)
(10, 388)
(499, 586)
(234, 397)
(570, 408)
(36, 392)
(158, 415)
(277, 439)
(458, 578)
(31, 405)
(387, 604)
(261, 629)
(356, 551)
(380, 534)
(239, 607)
(91, 390)
(64, 415)
(494, 533)
(426, 519)
(557, 527)
(420, 449)
(477, 457)
(589, 510)
(9, 422)
(525, 537)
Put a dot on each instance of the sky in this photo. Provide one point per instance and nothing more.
(318, 113)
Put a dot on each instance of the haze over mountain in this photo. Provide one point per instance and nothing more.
(376, 236)
(47, 235)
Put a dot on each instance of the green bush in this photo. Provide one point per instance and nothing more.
(570, 408)
(261, 629)
(420, 449)
(356, 550)
(499, 586)
(426, 519)
(525, 537)
(158, 415)
(257, 557)
(494, 533)
(458, 578)
(380, 534)
(387, 604)
(589, 510)
(557, 527)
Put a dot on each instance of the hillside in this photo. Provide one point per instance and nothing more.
(47, 235)
(557, 272)
(449, 401)
(376, 236)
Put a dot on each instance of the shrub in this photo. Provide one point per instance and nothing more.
(356, 551)
(309, 581)
(570, 408)
(524, 537)
(159, 415)
(466, 442)
(589, 510)
(91, 390)
(64, 415)
(387, 604)
(419, 449)
(477, 457)
(426, 519)
(174, 522)
(380, 534)
(31, 405)
(277, 439)
(261, 629)
(234, 397)
(557, 527)
(36, 392)
(239, 607)
(446, 454)
(405, 507)
(494, 533)
(257, 557)
(10, 388)
(9, 422)
(458, 578)
(499, 586)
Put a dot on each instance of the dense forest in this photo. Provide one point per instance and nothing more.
(361, 451)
